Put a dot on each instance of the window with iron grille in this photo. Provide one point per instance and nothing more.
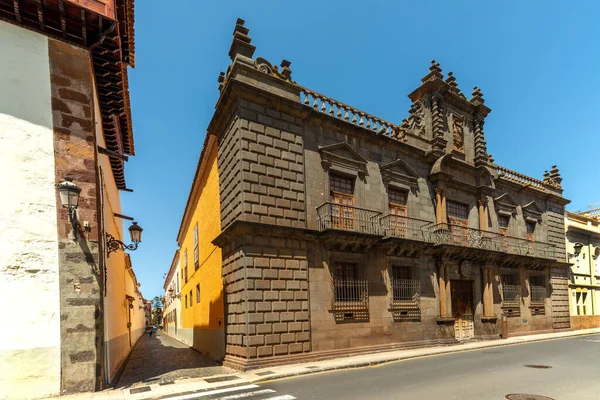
(347, 288)
(198, 293)
(457, 210)
(196, 254)
(405, 283)
(503, 221)
(537, 287)
(185, 265)
(341, 184)
(511, 288)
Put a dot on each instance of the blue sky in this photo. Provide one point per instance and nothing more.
(535, 61)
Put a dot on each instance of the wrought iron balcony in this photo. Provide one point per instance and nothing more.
(348, 218)
(525, 247)
(459, 235)
(404, 227)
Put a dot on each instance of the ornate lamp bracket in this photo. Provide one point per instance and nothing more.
(112, 245)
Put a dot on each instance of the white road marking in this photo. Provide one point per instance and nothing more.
(247, 394)
(211, 392)
(284, 397)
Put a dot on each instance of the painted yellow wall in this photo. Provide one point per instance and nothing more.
(202, 322)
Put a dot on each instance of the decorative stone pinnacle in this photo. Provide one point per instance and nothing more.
(435, 72)
(477, 98)
(221, 80)
(451, 81)
(241, 42)
(286, 70)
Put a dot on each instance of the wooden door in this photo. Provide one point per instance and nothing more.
(462, 309)
(531, 237)
(342, 196)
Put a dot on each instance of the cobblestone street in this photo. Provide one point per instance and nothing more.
(162, 359)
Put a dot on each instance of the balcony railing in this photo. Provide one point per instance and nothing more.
(404, 227)
(348, 218)
(525, 247)
(405, 290)
(463, 236)
(350, 294)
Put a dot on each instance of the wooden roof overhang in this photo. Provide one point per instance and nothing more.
(105, 28)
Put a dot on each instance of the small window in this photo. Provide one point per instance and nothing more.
(405, 286)
(198, 293)
(511, 288)
(537, 288)
(457, 210)
(196, 253)
(341, 185)
(185, 265)
(191, 299)
(503, 221)
(530, 227)
(186, 303)
(397, 197)
(344, 271)
(178, 282)
(401, 272)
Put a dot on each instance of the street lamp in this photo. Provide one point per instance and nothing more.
(69, 197)
(112, 244)
(577, 250)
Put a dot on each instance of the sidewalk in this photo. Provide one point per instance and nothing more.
(197, 385)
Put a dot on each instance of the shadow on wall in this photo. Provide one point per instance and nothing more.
(209, 338)
(163, 359)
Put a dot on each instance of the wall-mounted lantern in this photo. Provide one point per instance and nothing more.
(577, 250)
(112, 244)
(69, 197)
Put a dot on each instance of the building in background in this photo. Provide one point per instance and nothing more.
(172, 317)
(583, 251)
(341, 230)
(65, 120)
(201, 297)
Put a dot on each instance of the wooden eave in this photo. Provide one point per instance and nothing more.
(110, 40)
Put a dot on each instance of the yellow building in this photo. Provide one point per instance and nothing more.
(583, 251)
(202, 321)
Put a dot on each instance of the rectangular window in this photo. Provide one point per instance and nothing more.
(511, 288)
(186, 303)
(196, 254)
(537, 288)
(178, 282)
(405, 285)
(191, 299)
(457, 210)
(341, 185)
(198, 293)
(348, 291)
(503, 221)
(185, 265)
(530, 227)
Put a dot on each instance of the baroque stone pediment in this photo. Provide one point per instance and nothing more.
(343, 158)
(399, 173)
(532, 211)
(506, 204)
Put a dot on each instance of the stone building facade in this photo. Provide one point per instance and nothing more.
(64, 112)
(343, 232)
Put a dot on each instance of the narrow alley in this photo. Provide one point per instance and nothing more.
(162, 359)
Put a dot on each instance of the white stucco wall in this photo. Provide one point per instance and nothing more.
(29, 282)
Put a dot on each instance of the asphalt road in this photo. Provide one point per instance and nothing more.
(479, 375)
